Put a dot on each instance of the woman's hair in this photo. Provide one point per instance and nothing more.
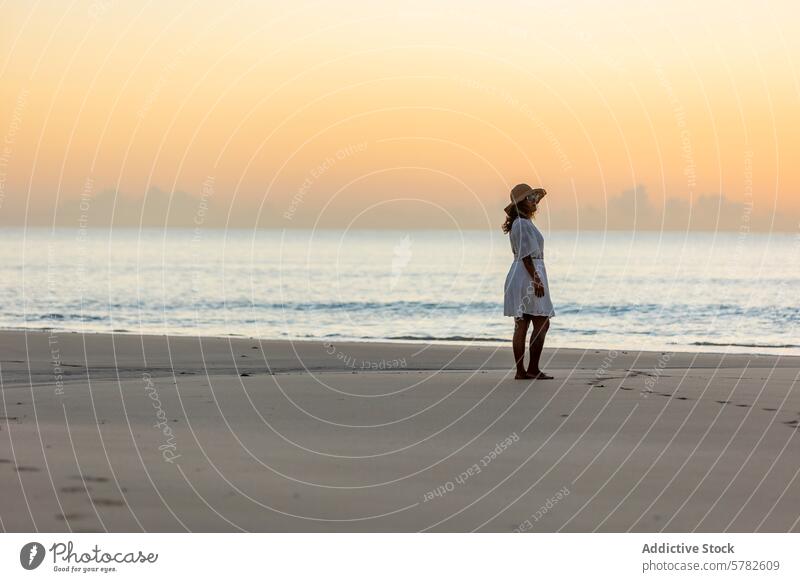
(511, 215)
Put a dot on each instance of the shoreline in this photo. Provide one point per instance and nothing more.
(698, 348)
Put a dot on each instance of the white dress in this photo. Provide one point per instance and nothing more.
(520, 298)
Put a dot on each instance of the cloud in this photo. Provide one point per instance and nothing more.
(635, 209)
(159, 209)
(632, 209)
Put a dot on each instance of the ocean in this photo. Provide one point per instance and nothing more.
(734, 292)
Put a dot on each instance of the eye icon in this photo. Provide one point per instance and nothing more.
(31, 555)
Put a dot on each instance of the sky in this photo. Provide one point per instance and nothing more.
(416, 114)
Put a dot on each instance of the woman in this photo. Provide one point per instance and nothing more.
(527, 293)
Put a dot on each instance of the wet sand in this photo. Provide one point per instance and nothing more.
(149, 433)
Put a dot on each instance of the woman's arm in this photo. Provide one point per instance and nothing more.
(538, 287)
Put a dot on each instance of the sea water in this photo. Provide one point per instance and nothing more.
(614, 290)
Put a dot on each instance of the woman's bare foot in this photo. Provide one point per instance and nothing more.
(524, 376)
(539, 375)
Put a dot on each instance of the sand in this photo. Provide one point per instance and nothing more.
(150, 433)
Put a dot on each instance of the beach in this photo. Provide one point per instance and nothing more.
(128, 433)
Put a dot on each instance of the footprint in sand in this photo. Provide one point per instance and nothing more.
(25, 469)
(681, 398)
(75, 489)
(2, 461)
(103, 502)
(623, 388)
(90, 479)
(770, 409)
(722, 401)
(743, 406)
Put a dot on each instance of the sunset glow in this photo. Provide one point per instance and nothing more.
(367, 115)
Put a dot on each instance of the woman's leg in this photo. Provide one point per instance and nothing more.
(518, 344)
(540, 327)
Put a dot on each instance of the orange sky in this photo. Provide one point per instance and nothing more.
(405, 114)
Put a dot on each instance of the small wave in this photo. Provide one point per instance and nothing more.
(396, 306)
(449, 338)
(742, 345)
(70, 317)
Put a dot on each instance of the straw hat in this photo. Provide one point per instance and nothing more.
(522, 191)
